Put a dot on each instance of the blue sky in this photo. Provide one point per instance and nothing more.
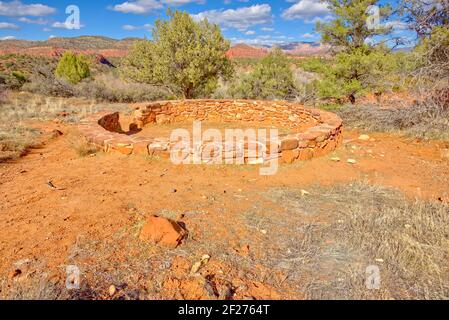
(254, 22)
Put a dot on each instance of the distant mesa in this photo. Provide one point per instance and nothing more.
(245, 51)
(107, 48)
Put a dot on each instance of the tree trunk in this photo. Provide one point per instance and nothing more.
(352, 98)
(188, 93)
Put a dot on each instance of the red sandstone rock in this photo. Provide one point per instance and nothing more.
(289, 156)
(141, 148)
(289, 144)
(162, 231)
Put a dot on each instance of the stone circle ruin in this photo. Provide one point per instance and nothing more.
(306, 133)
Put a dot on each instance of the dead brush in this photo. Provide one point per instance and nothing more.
(425, 121)
(409, 240)
(82, 146)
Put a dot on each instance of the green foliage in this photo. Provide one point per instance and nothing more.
(349, 29)
(359, 67)
(73, 68)
(359, 71)
(186, 56)
(19, 76)
(272, 78)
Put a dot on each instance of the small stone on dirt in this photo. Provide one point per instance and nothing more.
(196, 267)
(112, 290)
(304, 193)
(352, 161)
(162, 231)
(335, 159)
(205, 258)
(364, 137)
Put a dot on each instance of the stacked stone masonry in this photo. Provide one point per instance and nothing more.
(312, 133)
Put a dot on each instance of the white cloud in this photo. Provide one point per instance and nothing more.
(265, 29)
(263, 40)
(17, 9)
(307, 10)
(240, 18)
(309, 35)
(33, 21)
(7, 25)
(129, 27)
(138, 6)
(250, 32)
(397, 25)
(182, 2)
(65, 25)
(8, 38)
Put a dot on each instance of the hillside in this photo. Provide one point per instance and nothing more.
(104, 46)
(245, 51)
(111, 48)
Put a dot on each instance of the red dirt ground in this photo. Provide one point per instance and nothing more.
(92, 194)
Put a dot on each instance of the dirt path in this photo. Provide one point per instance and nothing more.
(97, 196)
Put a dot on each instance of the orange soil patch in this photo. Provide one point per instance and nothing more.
(92, 195)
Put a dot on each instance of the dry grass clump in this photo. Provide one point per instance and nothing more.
(15, 140)
(421, 120)
(372, 225)
(34, 289)
(82, 147)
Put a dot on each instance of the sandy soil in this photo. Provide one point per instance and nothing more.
(95, 196)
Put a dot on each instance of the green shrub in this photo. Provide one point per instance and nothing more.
(73, 68)
(185, 56)
(272, 78)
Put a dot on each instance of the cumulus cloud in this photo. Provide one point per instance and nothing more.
(307, 10)
(182, 2)
(263, 40)
(146, 6)
(137, 7)
(7, 25)
(8, 38)
(240, 18)
(129, 27)
(17, 9)
(65, 25)
(33, 21)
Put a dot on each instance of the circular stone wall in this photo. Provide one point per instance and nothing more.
(311, 133)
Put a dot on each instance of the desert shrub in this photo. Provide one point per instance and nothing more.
(43, 81)
(185, 56)
(272, 78)
(432, 73)
(110, 88)
(427, 121)
(73, 68)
